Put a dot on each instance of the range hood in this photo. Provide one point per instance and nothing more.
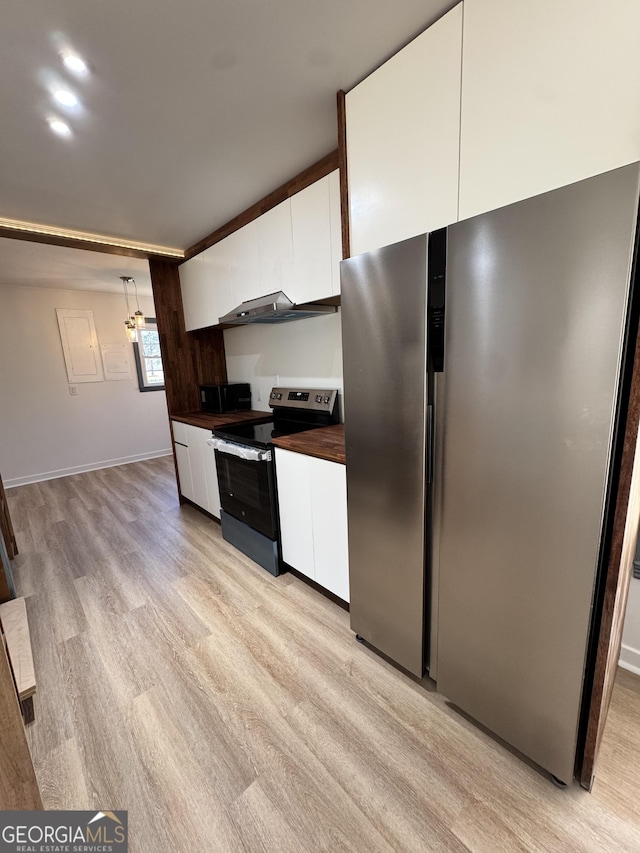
(273, 308)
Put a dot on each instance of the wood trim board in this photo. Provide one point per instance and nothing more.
(18, 783)
(612, 589)
(78, 242)
(13, 617)
(6, 526)
(344, 175)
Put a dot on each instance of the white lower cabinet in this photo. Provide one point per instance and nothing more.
(197, 466)
(312, 499)
(184, 470)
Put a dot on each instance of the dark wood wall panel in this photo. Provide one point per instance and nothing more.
(344, 183)
(6, 526)
(210, 356)
(303, 179)
(178, 353)
(189, 358)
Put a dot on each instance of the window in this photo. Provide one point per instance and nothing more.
(148, 358)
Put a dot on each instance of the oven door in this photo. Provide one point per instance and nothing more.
(247, 487)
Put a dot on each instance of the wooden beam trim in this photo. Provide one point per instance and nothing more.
(344, 176)
(91, 245)
(303, 179)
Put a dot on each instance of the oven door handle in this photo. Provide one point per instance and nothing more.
(242, 451)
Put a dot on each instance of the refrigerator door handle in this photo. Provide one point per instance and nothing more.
(430, 443)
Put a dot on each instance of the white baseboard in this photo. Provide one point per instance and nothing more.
(81, 469)
(630, 659)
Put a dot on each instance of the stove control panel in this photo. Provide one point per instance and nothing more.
(314, 399)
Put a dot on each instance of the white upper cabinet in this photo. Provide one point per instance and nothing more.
(207, 287)
(295, 247)
(311, 223)
(218, 281)
(550, 95)
(195, 293)
(275, 250)
(317, 240)
(403, 133)
(245, 266)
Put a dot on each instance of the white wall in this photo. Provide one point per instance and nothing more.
(305, 353)
(44, 431)
(630, 652)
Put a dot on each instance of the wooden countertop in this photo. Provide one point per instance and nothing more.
(208, 420)
(323, 443)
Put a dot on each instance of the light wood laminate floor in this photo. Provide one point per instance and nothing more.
(231, 711)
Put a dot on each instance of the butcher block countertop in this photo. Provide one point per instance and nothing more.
(323, 443)
(207, 420)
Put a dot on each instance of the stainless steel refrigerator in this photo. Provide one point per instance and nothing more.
(482, 370)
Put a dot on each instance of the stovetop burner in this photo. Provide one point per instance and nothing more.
(295, 410)
(261, 435)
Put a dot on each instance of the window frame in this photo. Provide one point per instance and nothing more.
(138, 358)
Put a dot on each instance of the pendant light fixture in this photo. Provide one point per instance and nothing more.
(130, 323)
(138, 316)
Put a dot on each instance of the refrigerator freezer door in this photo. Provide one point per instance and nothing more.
(384, 350)
(536, 306)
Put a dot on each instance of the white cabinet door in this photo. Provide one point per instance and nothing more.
(275, 249)
(179, 432)
(211, 475)
(243, 263)
(328, 482)
(196, 439)
(207, 286)
(184, 470)
(294, 502)
(222, 298)
(335, 215)
(311, 225)
(195, 288)
(403, 135)
(550, 96)
(203, 469)
(312, 498)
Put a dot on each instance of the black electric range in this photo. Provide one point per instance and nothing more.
(262, 435)
(246, 470)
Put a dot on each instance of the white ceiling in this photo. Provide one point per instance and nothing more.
(24, 264)
(193, 110)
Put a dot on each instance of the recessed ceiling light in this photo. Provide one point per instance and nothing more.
(65, 97)
(75, 63)
(61, 128)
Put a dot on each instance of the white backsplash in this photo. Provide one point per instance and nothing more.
(302, 353)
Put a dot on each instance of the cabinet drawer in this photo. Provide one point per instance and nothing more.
(180, 432)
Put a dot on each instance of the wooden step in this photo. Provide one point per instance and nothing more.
(15, 626)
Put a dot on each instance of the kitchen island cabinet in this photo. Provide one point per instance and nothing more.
(312, 500)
